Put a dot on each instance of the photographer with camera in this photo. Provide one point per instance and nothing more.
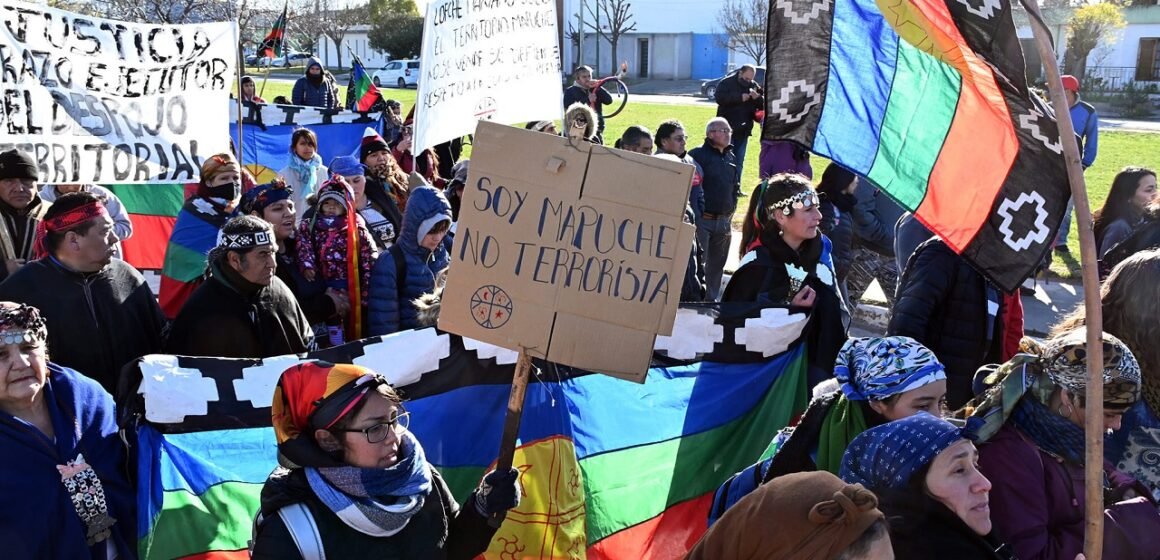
(739, 99)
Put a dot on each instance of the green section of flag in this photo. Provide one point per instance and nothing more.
(629, 486)
(219, 519)
(920, 81)
(461, 480)
(154, 200)
(182, 264)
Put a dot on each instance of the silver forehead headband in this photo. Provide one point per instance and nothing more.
(796, 202)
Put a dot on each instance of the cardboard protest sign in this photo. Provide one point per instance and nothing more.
(105, 101)
(571, 251)
(486, 60)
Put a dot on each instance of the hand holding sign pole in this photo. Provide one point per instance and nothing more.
(573, 253)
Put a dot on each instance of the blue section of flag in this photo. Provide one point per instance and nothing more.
(269, 145)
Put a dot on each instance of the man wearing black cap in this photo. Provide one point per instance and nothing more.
(21, 208)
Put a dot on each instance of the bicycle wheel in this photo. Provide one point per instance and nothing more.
(619, 93)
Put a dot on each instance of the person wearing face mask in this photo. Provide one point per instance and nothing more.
(66, 491)
(103, 313)
(1030, 425)
(201, 217)
(316, 88)
(786, 261)
(242, 310)
(880, 379)
(410, 268)
(924, 471)
(354, 481)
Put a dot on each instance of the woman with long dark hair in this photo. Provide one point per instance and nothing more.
(1133, 190)
(788, 262)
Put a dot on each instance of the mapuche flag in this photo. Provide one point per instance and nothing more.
(272, 46)
(928, 99)
(365, 92)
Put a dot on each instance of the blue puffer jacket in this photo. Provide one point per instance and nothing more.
(388, 312)
(323, 94)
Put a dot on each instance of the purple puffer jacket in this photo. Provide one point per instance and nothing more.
(1037, 504)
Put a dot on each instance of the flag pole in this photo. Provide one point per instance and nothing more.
(511, 422)
(241, 59)
(1094, 415)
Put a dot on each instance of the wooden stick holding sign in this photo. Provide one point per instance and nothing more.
(1094, 417)
(511, 422)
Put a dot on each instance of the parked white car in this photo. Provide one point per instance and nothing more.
(397, 73)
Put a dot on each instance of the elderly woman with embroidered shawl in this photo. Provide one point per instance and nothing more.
(881, 379)
(65, 491)
(355, 483)
(800, 516)
(923, 470)
(1032, 422)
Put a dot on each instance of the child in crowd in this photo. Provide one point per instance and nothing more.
(334, 243)
(305, 171)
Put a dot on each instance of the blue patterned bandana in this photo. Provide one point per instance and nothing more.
(877, 368)
(887, 456)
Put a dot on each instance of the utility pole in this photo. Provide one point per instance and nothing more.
(580, 30)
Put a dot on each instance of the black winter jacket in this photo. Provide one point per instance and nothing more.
(98, 322)
(943, 304)
(311, 296)
(837, 224)
(874, 217)
(576, 94)
(730, 106)
(922, 529)
(694, 288)
(231, 318)
(440, 531)
(719, 178)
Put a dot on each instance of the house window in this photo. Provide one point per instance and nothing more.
(1148, 61)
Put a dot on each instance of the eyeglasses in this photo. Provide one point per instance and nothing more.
(379, 432)
(725, 130)
(681, 138)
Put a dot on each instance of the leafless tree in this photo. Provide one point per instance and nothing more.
(165, 11)
(335, 23)
(744, 24)
(612, 19)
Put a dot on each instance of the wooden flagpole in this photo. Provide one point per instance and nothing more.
(241, 58)
(1094, 419)
(511, 422)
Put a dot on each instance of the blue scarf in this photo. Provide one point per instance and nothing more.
(1050, 432)
(376, 502)
(307, 172)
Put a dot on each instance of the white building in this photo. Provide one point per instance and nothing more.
(1130, 55)
(673, 39)
(356, 40)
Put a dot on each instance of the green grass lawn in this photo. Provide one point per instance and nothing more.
(1117, 150)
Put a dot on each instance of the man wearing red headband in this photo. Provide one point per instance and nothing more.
(103, 314)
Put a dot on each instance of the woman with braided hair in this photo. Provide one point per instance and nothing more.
(66, 492)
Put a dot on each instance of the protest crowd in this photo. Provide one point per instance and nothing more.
(952, 435)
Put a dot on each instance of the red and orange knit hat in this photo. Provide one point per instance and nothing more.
(316, 395)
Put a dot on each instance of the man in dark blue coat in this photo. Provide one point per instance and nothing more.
(738, 100)
(722, 189)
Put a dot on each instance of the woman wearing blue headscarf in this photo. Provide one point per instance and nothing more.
(925, 473)
(880, 379)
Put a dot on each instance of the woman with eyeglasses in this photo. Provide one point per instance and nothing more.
(786, 261)
(354, 481)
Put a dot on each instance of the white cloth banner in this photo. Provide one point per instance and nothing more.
(104, 101)
(486, 59)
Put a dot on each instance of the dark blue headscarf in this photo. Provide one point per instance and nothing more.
(887, 456)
